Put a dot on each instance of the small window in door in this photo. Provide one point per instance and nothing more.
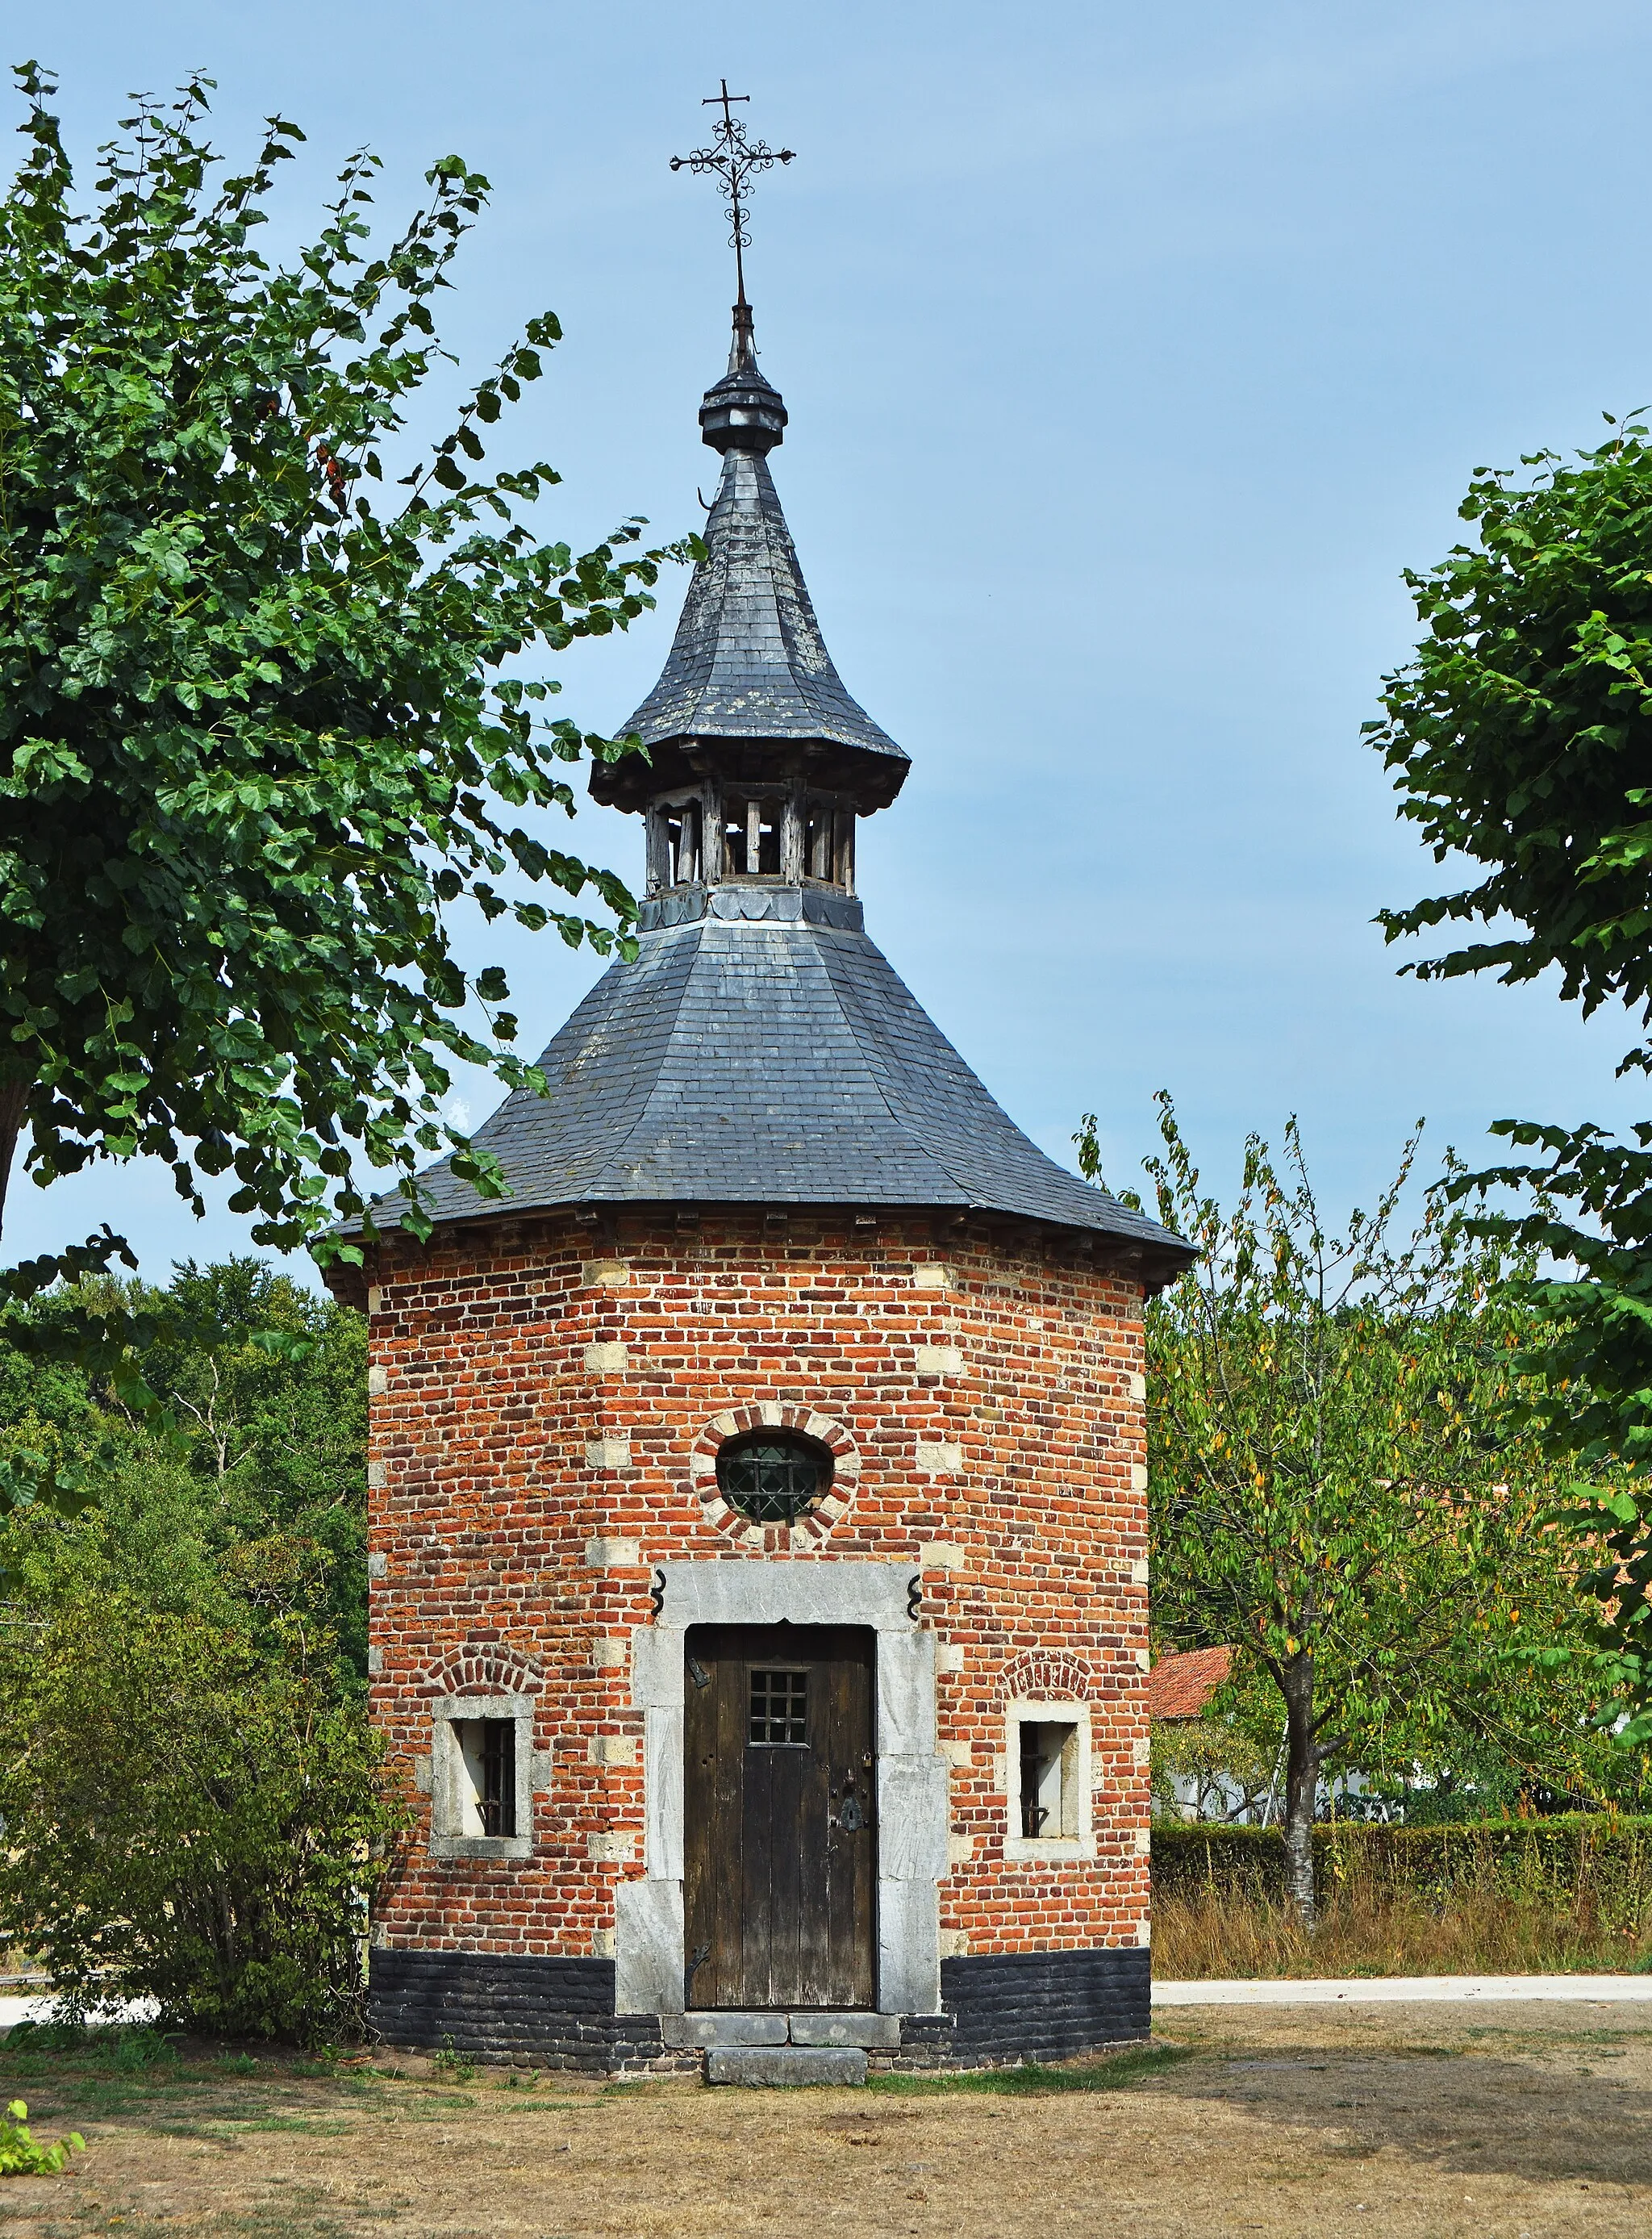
(1049, 1781)
(488, 1782)
(780, 1710)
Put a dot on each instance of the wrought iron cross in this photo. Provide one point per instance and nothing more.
(734, 160)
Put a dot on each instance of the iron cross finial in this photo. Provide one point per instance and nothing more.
(734, 159)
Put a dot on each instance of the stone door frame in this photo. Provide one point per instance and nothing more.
(912, 1803)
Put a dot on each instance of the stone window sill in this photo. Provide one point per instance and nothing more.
(1062, 1850)
(481, 1846)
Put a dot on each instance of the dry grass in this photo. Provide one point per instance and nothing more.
(1217, 1933)
(1396, 2123)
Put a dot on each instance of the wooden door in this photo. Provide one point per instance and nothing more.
(780, 1817)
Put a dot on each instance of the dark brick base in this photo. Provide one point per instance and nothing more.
(925, 2042)
(492, 2005)
(1043, 2005)
(559, 2013)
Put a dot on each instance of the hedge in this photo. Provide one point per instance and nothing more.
(1606, 1856)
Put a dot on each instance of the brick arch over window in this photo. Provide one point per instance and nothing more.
(811, 1531)
(1035, 1678)
(483, 1668)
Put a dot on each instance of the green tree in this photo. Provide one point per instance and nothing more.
(1228, 1756)
(259, 1421)
(264, 1388)
(1326, 1492)
(262, 731)
(1521, 739)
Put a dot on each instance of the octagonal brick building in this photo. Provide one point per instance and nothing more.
(757, 1494)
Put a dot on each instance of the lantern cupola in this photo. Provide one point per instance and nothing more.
(759, 760)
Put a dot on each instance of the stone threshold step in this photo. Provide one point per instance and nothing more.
(766, 2066)
(879, 2032)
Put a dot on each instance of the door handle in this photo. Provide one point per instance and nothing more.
(697, 1959)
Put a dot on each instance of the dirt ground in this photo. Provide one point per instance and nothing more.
(1509, 2122)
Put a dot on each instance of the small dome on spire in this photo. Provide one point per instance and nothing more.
(749, 694)
(743, 411)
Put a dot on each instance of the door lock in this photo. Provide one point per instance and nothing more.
(852, 1812)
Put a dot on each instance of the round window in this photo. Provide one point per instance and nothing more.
(773, 1477)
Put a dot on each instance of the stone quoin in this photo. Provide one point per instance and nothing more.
(758, 1582)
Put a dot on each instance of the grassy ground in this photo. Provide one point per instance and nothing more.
(1308, 2122)
(1219, 1934)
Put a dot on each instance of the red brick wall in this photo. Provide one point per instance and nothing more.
(485, 1501)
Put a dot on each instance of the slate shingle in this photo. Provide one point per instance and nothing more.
(748, 660)
(767, 1063)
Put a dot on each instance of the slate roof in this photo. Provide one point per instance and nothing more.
(760, 1049)
(748, 660)
(781, 1063)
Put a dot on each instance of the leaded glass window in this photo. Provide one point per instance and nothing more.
(772, 1477)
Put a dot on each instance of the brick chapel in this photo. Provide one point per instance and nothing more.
(757, 1494)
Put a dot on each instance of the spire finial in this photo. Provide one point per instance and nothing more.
(734, 159)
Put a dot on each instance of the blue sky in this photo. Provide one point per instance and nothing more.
(1131, 355)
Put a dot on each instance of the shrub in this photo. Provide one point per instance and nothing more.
(1605, 1856)
(191, 1816)
(1228, 1767)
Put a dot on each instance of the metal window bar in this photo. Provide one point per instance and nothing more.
(499, 1776)
(1033, 1814)
(770, 1483)
(779, 1710)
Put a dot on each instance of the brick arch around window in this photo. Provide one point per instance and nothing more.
(1036, 1678)
(811, 1531)
(482, 1668)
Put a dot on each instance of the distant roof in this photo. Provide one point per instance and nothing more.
(1180, 1686)
(753, 1057)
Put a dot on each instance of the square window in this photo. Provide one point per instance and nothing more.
(1046, 1777)
(780, 1710)
(484, 1773)
(1049, 1781)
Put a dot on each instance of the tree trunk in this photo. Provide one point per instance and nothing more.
(1302, 1785)
(13, 1103)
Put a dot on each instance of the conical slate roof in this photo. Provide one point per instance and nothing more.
(779, 1060)
(748, 668)
(748, 660)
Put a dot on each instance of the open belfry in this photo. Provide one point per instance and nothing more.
(758, 1493)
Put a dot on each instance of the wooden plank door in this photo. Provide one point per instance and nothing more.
(780, 1817)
